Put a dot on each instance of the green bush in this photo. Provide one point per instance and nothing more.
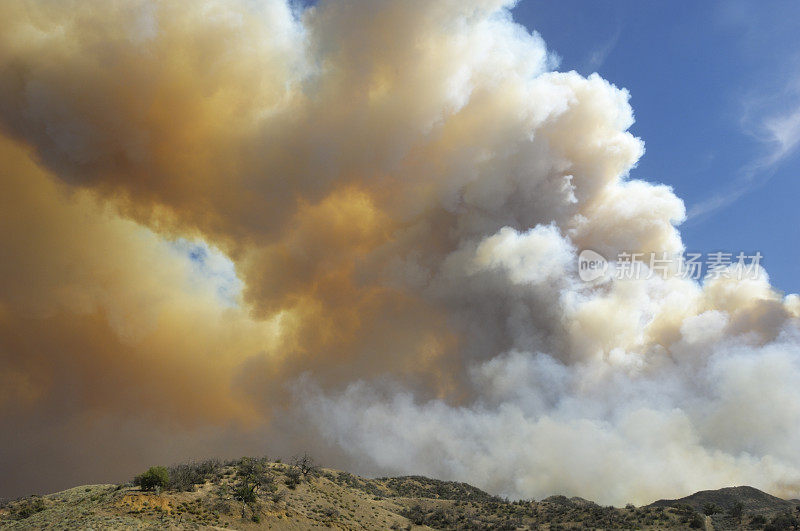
(416, 514)
(257, 472)
(28, 508)
(697, 522)
(292, 478)
(244, 492)
(736, 510)
(783, 522)
(156, 477)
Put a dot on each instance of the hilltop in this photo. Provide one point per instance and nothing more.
(261, 494)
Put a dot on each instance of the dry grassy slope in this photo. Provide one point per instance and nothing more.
(329, 499)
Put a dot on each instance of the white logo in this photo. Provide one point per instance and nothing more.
(591, 265)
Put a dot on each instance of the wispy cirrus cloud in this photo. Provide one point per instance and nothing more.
(774, 123)
(598, 55)
(784, 131)
(770, 106)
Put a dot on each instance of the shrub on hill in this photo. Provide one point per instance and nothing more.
(28, 508)
(783, 522)
(293, 477)
(156, 477)
(305, 465)
(184, 476)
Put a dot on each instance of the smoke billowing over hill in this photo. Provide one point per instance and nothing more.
(403, 188)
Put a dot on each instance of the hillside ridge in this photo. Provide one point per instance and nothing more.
(256, 493)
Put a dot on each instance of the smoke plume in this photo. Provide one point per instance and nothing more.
(403, 187)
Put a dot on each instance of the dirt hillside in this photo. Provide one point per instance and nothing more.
(262, 494)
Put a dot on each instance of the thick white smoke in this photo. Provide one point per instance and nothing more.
(625, 391)
(404, 187)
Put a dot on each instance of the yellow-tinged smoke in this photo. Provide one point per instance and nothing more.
(402, 187)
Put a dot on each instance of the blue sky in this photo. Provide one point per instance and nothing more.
(211, 268)
(716, 93)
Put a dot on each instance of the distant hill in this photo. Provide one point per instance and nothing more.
(260, 494)
(740, 508)
(753, 500)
